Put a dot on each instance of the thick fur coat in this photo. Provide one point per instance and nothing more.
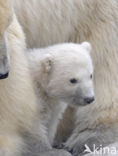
(78, 20)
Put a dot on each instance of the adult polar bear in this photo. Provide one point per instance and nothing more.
(78, 20)
(17, 114)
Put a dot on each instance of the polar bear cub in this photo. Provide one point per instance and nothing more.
(63, 76)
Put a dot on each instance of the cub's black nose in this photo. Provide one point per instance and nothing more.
(89, 100)
(4, 76)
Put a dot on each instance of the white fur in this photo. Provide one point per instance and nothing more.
(16, 113)
(52, 76)
(95, 21)
(5, 19)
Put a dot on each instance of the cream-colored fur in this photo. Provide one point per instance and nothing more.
(16, 112)
(79, 20)
(52, 77)
(18, 119)
(5, 19)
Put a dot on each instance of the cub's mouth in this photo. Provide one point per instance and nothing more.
(83, 101)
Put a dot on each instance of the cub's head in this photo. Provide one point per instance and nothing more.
(67, 73)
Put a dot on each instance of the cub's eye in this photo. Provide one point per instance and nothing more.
(91, 76)
(73, 80)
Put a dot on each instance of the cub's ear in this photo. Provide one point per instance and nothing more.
(46, 63)
(87, 46)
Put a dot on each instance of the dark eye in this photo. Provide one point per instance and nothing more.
(73, 81)
(91, 76)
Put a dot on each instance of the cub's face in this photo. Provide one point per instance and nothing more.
(71, 76)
